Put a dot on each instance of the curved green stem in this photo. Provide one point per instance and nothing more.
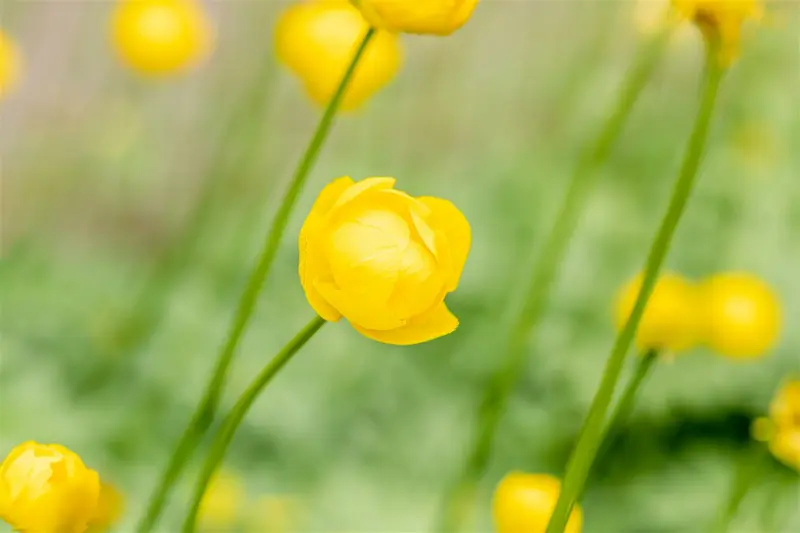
(204, 414)
(237, 414)
(592, 433)
(500, 384)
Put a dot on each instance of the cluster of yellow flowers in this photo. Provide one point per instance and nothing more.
(46, 488)
(734, 314)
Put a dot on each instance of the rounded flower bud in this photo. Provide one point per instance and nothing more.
(437, 17)
(743, 315)
(525, 502)
(110, 507)
(160, 37)
(383, 260)
(9, 64)
(721, 22)
(46, 488)
(671, 318)
(317, 40)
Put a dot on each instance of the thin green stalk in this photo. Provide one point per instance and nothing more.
(206, 409)
(501, 383)
(237, 414)
(627, 401)
(746, 475)
(592, 433)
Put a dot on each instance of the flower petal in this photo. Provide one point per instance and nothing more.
(359, 188)
(437, 322)
(357, 312)
(446, 217)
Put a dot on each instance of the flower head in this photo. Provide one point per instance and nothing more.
(525, 502)
(46, 488)
(437, 17)
(110, 507)
(222, 502)
(316, 40)
(721, 22)
(9, 64)
(671, 318)
(742, 315)
(782, 429)
(160, 37)
(383, 259)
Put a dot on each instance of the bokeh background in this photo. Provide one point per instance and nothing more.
(110, 322)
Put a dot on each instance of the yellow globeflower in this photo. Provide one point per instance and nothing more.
(782, 429)
(383, 259)
(317, 40)
(110, 507)
(437, 17)
(45, 488)
(9, 64)
(523, 503)
(671, 319)
(160, 37)
(721, 21)
(743, 315)
(222, 503)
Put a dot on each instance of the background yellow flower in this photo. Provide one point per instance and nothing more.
(524, 503)
(222, 504)
(9, 64)
(437, 17)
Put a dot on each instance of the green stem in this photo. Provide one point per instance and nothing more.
(746, 475)
(501, 383)
(237, 414)
(592, 433)
(627, 401)
(204, 414)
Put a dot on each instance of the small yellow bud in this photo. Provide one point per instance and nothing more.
(524, 503)
(671, 319)
(45, 488)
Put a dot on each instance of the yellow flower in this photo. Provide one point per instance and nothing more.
(219, 510)
(317, 40)
(721, 22)
(9, 64)
(782, 430)
(160, 37)
(438, 17)
(110, 507)
(523, 503)
(742, 315)
(273, 514)
(671, 319)
(45, 488)
(383, 260)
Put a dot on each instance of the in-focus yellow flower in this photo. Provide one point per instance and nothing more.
(742, 315)
(274, 514)
(317, 39)
(222, 503)
(782, 429)
(9, 64)
(672, 318)
(437, 17)
(721, 21)
(383, 260)
(110, 507)
(160, 37)
(45, 488)
(523, 503)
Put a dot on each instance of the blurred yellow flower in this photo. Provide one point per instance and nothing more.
(523, 503)
(9, 64)
(650, 17)
(721, 21)
(45, 488)
(316, 40)
(742, 315)
(782, 429)
(222, 503)
(437, 17)
(160, 37)
(383, 260)
(273, 514)
(671, 319)
(110, 507)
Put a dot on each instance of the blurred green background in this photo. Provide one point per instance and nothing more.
(103, 171)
